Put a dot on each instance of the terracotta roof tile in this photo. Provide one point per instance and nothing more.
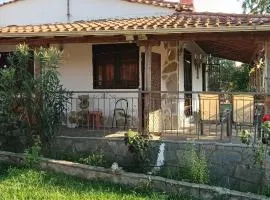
(8, 2)
(175, 23)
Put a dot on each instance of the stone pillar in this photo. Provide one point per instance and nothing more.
(267, 76)
(147, 86)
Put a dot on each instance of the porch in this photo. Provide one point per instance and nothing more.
(209, 116)
(154, 66)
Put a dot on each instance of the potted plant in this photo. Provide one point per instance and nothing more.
(72, 118)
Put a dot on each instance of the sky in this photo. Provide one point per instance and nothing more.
(225, 6)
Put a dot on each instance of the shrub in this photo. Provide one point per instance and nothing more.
(140, 148)
(246, 137)
(32, 155)
(94, 159)
(32, 105)
(193, 168)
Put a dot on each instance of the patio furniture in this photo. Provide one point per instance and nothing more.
(243, 111)
(209, 110)
(95, 119)
(120, 113)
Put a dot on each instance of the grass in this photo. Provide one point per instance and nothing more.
(27, 184)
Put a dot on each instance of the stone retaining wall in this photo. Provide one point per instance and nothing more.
(230, 165)
(197, 191)
(114, 150)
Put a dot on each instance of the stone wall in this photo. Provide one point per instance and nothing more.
(15, 144)
(230, 166)
(170, 79)
(114, 150)
(196, 191)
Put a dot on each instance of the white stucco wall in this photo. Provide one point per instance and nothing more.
(52, 11)
(76, 67)
(193, 48)
(76, 75)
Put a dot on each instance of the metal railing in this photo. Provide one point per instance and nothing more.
(173, 115)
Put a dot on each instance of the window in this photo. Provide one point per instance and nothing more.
(116, 66)
(4, 63)
(4, 59)
(203, 77)
(188, 82)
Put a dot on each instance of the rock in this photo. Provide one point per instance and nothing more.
(164, 77)
(171, 67)
(172, 55)
(252, 175)
(171, 83)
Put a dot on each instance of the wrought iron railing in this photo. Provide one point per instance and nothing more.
(171, 115)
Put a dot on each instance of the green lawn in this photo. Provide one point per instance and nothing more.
(25, 184)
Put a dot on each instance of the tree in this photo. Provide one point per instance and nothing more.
(256, 6)
(225, 76)
(32, 105)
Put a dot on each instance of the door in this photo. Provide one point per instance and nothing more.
(204, 77)
(188, 82)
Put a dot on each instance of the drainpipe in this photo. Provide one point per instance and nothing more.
(68, 10)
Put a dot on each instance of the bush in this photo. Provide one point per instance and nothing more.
(32, 105)
(195, 166)
(32, 155)
(140, 148)
(193, 169)
(94, 159)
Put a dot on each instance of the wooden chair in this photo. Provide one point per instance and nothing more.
(120, 113)
(209, 110)
(243, 110)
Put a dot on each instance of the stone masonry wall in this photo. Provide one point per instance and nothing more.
(114, 150)
(230, 166)
(169, 76)
(196, 191)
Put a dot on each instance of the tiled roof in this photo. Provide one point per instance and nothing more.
(175, 23)
(8, 2)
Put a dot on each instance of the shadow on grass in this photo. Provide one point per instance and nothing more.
(70, 184)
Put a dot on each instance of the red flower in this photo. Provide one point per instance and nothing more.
(266, 118)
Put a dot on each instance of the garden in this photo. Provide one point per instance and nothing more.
(31, 116)
(26, 183)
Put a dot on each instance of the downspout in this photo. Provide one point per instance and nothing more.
(68, 10)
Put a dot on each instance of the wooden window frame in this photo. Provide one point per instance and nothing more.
(5, 54)
(116, 54)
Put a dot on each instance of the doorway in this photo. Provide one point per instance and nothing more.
(188, 82)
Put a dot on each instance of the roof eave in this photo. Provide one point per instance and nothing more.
(257, 28)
